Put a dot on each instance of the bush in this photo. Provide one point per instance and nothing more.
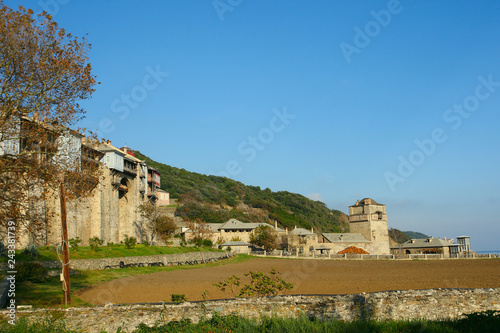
(31, 251)
(95, 242)
(260, 284)
(178, 298)
(31, 271)
(199, 242)
(74, 243)
(129, 242)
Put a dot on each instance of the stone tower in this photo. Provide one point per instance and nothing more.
(369, 218)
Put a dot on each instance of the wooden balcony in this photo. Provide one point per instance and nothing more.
(130, 171)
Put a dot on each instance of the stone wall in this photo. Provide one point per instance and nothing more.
(165, 259)
(393, 305)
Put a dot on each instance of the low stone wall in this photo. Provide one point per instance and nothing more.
(354, 256)
(164, 259)
(392, 305)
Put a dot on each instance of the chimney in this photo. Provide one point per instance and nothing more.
(36, 116)
(276, 224)
(286, 230)
(312, 229)
(295, 227)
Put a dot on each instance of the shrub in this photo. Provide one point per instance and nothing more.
(3, 250)
(31, 271)
(95, 242)
(129, 242)
(31, 251)
(260, 284)
(178, 298)
(74, 243)
(199, 242)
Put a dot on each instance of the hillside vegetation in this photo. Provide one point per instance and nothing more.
(415, 234)
(398, 236)
(215, 199)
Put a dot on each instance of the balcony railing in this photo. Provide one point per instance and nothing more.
(130, 171)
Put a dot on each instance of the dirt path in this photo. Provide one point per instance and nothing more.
(307, 276)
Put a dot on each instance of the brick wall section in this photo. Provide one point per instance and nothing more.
(166, 259)
(397, 305)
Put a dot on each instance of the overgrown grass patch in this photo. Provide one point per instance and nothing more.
(111, 251)
(488, 321)
(481, 322)
(49, 293)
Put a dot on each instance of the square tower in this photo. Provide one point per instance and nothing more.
(369, 218)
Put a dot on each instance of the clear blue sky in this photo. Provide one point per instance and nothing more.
(323, 98)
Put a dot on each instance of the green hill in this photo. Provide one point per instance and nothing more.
(398, 236)
(215, 199)
(415, 234)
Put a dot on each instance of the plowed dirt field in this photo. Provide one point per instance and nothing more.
(307, 277)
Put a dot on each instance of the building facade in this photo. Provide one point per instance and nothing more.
(109, 212)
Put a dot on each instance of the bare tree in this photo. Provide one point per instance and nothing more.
(155, 223)
(200, 231)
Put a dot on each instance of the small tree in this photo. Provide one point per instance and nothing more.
(74, 243)
(231, 283)
(260, 284)
(95, 242)
(156, 224)
(265, 237)
(166, 227)
(200, 232)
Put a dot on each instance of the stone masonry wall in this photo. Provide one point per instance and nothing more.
(393, 305)
(165, 259)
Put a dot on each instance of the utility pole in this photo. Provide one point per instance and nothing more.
(65, 249)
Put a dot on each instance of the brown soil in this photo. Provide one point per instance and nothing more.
(307, 277)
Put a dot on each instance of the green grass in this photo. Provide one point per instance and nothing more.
(113, 251)
(488, 321)
(49, 293)
(482, 322)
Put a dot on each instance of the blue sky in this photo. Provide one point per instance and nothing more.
(337, 100)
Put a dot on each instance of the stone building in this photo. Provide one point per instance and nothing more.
(446, 247)
(110, 211)
(369, 231)
(367, 220)
(230, 231)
